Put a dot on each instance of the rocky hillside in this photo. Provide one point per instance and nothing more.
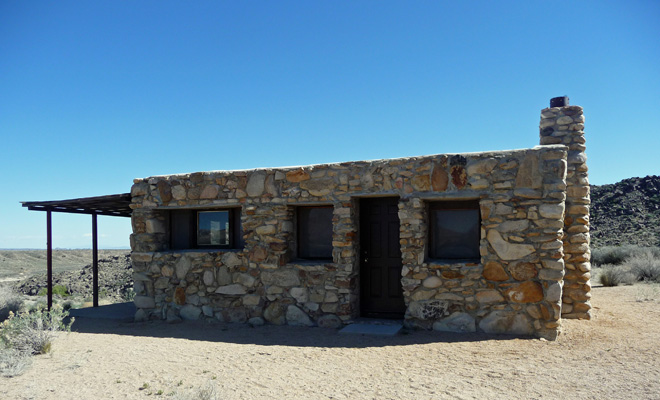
(115, 279)
(627, 212)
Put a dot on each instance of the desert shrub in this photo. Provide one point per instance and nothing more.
(207, 391)
(128, 295)
(617, 255)
(58, 290)
(614, 255)
(615, 275)
(646, 266)
(647, 291)
(67, 305)
(13, 362)
(33, 332)
(10, 301)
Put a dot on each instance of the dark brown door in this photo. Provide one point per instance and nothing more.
(381, 295)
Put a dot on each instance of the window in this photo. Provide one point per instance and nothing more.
(213, 228)
(315, 232)
(199, 229)
(454, 230)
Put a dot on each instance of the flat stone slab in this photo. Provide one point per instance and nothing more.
(379, 329)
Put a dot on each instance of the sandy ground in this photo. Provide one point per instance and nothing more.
(616, 355)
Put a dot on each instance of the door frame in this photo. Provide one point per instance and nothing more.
(362, 209)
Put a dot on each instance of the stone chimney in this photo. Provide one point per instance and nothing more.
(564, 124)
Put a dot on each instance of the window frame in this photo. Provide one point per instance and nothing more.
(300, 229)
(449, 205)
(184, 229)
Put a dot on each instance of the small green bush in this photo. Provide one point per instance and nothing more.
(58, 290)
(33, 332)
(615, 275)
(10, 301)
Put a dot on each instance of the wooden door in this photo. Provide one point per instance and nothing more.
(381, 295)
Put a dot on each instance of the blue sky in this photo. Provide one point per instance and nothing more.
(94, 94)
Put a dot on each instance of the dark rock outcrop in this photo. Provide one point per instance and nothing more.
(627, 212)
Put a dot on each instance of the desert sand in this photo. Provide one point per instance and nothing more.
(616, 355)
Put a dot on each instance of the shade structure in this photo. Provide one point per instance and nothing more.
(114, 205)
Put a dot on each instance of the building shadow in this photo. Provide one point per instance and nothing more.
(111, 320)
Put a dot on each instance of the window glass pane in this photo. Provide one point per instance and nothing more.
(315, 232)
(213, 228)
(455, 234)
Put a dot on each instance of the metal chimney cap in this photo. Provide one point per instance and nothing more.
(559, 101)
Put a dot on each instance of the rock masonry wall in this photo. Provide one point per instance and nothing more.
(565, 125)
(516, 288)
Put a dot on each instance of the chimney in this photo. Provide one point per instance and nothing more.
(564, 124)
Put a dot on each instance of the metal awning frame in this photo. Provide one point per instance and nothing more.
(116, 205)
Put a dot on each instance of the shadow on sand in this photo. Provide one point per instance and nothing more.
(115, 319)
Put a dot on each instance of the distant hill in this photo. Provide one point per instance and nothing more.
(627, 212)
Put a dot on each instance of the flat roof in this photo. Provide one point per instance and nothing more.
(116, 205)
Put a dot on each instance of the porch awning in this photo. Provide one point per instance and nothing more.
(114, 205)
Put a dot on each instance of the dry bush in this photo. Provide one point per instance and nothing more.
(10, 301)
(207, 391)
(647, 292)
(645, 265)
(617, 255)
(13, 362)
(33, 332)
(615, 275)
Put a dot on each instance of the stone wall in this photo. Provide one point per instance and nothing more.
(565, 125)
(515, 288)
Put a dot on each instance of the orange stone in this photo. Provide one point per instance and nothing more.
(258, 254)
(439, 178)
(165, 191)
(452, 275)
(421, 182)
(522, 271)
(493, 271)
(458, 176)
(526, 292)
(545, 312)
(180, 296)
(298, 175)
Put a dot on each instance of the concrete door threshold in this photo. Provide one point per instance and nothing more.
(372, 326)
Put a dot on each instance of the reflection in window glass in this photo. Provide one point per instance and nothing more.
(213, 228)
(315, 233)
(454, 231)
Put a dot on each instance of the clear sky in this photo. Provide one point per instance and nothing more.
(96, 93)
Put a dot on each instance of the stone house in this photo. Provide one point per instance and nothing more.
(493, 242)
